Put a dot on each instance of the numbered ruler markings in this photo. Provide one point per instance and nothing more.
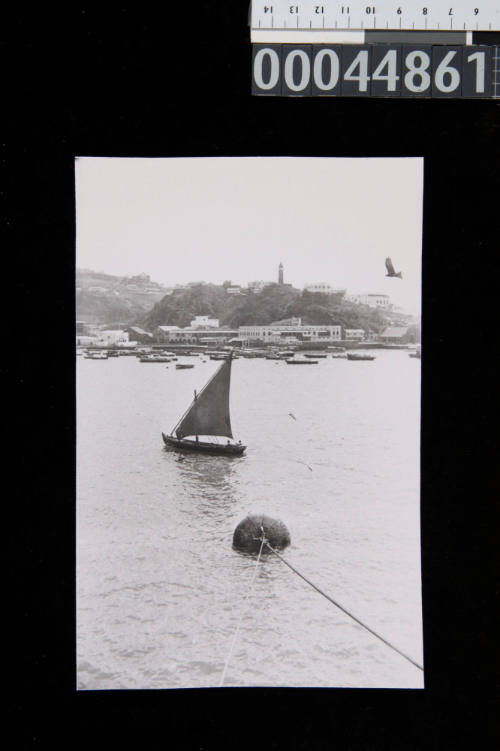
(376, 70)
(309, 21)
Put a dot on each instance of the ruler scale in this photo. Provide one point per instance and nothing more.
(305, 21)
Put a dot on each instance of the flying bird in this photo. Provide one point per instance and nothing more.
(292, 415)
(390, 269)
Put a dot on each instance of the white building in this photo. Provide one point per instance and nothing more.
(83, 340)
(198, 336)
(354, 334)
(162, 333)
(371, 299)
(111, 336)
(258, 285)
(323, 288)
(279, 333)
(204, 322)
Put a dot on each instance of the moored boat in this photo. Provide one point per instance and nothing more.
(359, 356)
(96, 356)
(183, 365)
(300, 361)
(206, 425)
(155, 358)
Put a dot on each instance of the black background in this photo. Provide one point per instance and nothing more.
(129, 83)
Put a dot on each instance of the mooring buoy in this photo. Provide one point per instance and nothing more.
(248, 534)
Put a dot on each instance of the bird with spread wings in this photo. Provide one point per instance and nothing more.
(390, 269)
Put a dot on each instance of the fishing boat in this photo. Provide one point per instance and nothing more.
(300, 361)
(206, 425)
(183, 365)
(359, 356)
(315, 357)
(155, 358)
(96, 356)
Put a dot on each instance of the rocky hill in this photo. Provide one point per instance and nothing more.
(107, 299)
(274, 303)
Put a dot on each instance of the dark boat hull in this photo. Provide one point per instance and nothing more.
(202, 446)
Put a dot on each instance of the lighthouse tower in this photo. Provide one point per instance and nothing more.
(280, 274)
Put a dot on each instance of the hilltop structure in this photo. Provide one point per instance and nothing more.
(372, 299)
(324, 288)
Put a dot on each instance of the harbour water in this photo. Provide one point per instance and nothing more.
(160, 591)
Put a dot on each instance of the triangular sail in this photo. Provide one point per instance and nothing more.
(209, 412)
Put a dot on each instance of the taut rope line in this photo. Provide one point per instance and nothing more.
(263, 540)
(341, 607)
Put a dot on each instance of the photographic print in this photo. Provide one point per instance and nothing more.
(248, 445)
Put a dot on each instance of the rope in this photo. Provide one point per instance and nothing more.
(263, 540)
(341, 607)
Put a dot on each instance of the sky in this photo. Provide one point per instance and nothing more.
(214, 219)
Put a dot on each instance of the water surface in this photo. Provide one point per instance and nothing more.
(161, 592)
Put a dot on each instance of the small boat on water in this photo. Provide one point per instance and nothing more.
(417, 354)
(183, 365)
(359, 356)
(155, 358)
(315, 357)
(96, 356)
(206, 425)
(300, 361)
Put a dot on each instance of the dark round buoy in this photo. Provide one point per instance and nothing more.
(248, 534)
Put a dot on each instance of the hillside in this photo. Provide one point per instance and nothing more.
(107, 299)
(274, 303)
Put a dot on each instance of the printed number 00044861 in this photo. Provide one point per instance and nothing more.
(372, 70)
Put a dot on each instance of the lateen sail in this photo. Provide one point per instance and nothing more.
(209, 412)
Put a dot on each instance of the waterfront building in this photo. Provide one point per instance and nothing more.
(83, 340)
(110, 337)
(287, 334)
(139, 335)
(354, 334)
(396, 335)
(197, 336)
(161, 333)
